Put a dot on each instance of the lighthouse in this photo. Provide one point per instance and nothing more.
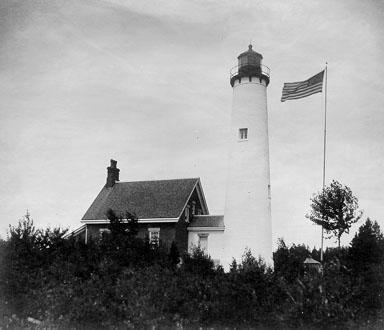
(248, 223)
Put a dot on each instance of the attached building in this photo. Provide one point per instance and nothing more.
(168, 210)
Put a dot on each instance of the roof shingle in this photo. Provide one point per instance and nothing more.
(207, 221)
(147, 199)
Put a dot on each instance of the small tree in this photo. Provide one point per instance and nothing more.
(336, 209)
(174, 255)
(367, 247)
(366, 259)
(198, 262)
(119, 227)
(288, 261)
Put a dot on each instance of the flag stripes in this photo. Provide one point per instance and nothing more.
(298, 90)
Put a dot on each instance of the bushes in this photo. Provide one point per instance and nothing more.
(366, 261)
(121, 280)
(289, 261)
(352, 287)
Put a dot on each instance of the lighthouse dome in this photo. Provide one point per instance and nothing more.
(250, 57)
(249, 65)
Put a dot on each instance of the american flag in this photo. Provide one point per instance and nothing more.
(298, 90)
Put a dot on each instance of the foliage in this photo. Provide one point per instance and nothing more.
(249, 294)
(367, 247)
(366, 260)
(122, 281)
(335, 209)
(25, 254)
(174, 255)
(288, 262)
(198, 263)
(121, 226)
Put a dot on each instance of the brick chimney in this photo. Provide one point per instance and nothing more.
(113, 174)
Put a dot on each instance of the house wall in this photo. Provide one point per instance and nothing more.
(81, 236)
(93, 230)
(181, 234)
(169, 232)
(215, 243)
(183, 223)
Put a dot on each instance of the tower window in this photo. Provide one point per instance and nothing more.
(243, 133)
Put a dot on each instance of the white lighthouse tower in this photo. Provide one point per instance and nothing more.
(248, 223)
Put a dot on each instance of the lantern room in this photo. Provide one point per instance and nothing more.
(249, 65)
(249, 58)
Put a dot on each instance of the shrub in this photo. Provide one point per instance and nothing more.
(122, 281)
(288, 261)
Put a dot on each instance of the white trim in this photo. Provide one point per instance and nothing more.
(88, 222)
(200, 195)
(246, 83)
(206, 228)
(208, 215)
(149, 220)
(75, 232)
(154, 220)
(189, 197)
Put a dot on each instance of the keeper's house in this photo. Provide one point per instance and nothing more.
(167, 210)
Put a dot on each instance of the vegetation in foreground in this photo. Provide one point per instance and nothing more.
(120, 280)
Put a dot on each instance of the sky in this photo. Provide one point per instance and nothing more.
(147, 83)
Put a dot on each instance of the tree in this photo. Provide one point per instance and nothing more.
(336, 209)
(367, 247)
(198, 263)
(174, 255)
(28, 256)
(119, 227)
(288, 261)
(366, 258)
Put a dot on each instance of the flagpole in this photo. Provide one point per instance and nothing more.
(325, 148)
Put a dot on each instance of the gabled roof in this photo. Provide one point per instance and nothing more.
(213, 221)
(147, 199)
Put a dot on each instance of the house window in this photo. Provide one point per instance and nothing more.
(103, 230)
(203, 242)
(154, 235)
(193, 208)
(243, 133)
(187, 213)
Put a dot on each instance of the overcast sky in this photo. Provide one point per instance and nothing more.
(147, 83)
